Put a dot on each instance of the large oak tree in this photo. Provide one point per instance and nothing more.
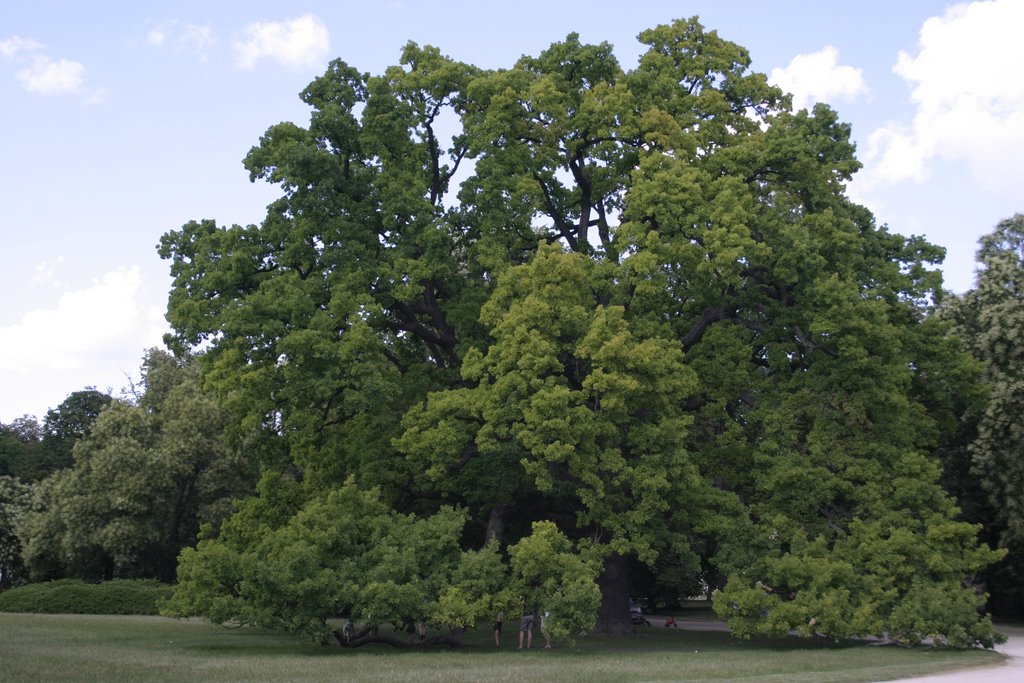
(637, 305)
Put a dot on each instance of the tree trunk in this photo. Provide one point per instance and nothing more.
(613, 615)
(496, 525)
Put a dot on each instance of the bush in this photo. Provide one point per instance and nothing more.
(70, 596)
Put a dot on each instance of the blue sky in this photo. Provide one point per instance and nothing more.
(123, 120)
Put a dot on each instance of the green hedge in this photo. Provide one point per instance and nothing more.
(70, 596)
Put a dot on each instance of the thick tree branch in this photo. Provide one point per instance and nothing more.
(710, 315)
(810, 346)
(470, 452)
(564, 227)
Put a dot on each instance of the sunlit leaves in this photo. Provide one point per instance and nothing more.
(609, 312)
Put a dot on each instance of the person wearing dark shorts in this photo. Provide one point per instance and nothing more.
(525, 624)
(497, 629)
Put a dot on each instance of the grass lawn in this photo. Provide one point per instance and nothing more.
(73, 648)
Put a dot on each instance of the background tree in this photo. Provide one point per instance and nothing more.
(990, 320)
(647, 314)
(144, 479)
(32, 452)
(15, 497)
(67, 424)
(21, 463)
(20, 448)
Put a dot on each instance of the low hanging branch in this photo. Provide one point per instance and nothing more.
(368, 636)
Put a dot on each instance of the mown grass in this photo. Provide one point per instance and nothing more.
(79, 648)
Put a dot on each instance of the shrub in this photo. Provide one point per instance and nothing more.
(71, 596)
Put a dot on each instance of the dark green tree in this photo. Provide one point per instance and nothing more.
(636, 305)
(20, 448)
(990, 320)
(21, 455)
(15, 498)
(67, 424)
(144, 479)
(32, 451)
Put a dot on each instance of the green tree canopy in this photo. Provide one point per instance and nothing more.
(20, 448)
(32, 452)
(636, 305)
(67, 424)
(15, 499)
(144, 478)
(990, 320)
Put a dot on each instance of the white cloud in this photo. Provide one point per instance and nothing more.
(48, 77)
(97, 96)
(15, 45)
(298, 43)
(818, 77)
(91, 337)
(968, 95)
(183, 37)
(45, 273)
(197, 39)
(44, 75)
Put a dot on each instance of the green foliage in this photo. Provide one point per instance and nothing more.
(346, 553)
(554, 579)
(989, 319)
(145, 477)
(648, 317)
(998, 303)
(69, 423)
(900, 577)
(15, 499)
(21, 450)
(478, 588)
(592, 408)
(70, 596)
(32, 452)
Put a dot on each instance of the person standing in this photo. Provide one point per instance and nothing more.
(498, 623)
(525, 623)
